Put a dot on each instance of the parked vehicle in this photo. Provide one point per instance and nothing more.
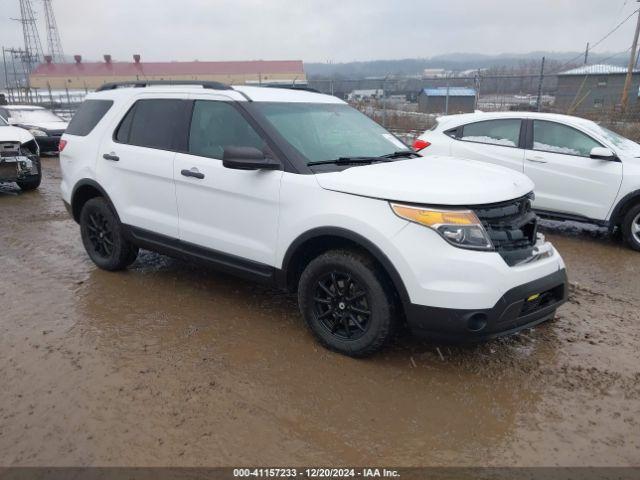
(19, 160)
(581, 170)
(44, 125)
(298, 190)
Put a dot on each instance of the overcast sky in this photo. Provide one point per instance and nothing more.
(324, 30)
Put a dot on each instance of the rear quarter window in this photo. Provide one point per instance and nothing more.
(503, 132)
(88, 116)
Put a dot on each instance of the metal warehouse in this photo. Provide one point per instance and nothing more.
(594, 87)
(91, 75)
(447, 100)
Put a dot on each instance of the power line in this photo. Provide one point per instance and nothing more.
(591, 47)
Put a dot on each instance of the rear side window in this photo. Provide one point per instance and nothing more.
(505, 132)
(216, 125)
(88, 116)
(153, 123)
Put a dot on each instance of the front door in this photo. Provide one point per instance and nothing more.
(234, 212)
(567, 179)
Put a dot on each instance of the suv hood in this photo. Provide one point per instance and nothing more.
(14, 134)
(435, 180)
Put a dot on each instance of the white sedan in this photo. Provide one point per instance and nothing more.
(581, 171)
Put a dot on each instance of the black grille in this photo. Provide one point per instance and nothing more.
(512, 227)
(9, 149)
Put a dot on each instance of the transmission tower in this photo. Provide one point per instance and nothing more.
(32, 45)
(53, 37)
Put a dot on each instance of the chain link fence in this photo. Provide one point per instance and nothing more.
(393, 101)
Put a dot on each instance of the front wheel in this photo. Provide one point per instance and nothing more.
(347, 303)
(631, 227)
(103, 236)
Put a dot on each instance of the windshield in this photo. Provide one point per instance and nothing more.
(2, 122)
(619, 141)
(33, 116)
(321, 131)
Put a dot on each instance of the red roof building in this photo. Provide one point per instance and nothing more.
(91, 75)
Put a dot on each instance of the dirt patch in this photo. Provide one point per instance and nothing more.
(173, 364)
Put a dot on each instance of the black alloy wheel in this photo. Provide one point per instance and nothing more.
(342, 305)
(100, 234)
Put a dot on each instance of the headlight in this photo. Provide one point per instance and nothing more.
(37, 133)
(460, 228)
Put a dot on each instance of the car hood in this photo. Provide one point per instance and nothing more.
(49, 126)
(14, 134)
(435, 180)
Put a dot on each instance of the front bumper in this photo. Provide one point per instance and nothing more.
(17, 168)
(519, 308)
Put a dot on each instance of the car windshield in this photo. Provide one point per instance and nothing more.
(33, 116)
(2, 122)
(619, 141)
(321, 131)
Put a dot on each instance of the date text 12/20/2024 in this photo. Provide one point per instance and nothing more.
(315, 473)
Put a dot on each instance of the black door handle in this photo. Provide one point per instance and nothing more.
(191, 173)
(111, 156)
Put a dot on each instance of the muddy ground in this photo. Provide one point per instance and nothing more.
(172, 364)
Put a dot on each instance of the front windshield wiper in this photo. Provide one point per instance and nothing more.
(350, 161)
(401, 153)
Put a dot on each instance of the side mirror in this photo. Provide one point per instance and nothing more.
(601, 153)
(247, 158)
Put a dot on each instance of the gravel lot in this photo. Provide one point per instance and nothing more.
(172, 364)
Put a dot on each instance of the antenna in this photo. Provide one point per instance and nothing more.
(32, 46)
(53, 36)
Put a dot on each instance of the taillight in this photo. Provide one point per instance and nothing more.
(61, 145)
(420, 144)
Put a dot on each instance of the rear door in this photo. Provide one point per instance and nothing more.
(135, 165)
(234, 212)
(567, 179)
(492, 141)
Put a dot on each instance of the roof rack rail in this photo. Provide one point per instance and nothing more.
(148, 83)
(292, 87)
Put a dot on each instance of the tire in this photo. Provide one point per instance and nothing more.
(335, 291)
(631, 227)
(33, 181)
(103, 236)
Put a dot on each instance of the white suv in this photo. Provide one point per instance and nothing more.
(298, 190)
(581, 171)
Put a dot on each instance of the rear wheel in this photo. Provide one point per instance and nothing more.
(347, 303)
(631, 227)
(103, 236)
(33, 181)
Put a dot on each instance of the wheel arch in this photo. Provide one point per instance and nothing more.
(622, 207)
(83, 191)
(314, 242)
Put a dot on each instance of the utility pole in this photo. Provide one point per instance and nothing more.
(586, 54)
(32, 45)
(539, 101)
(446, 101)
(632, 59)
(384, 102)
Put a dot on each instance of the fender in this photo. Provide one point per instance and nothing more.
(88, 182)
(351, 236)
(620, 207)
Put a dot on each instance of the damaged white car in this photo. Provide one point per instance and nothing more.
(19, 157)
